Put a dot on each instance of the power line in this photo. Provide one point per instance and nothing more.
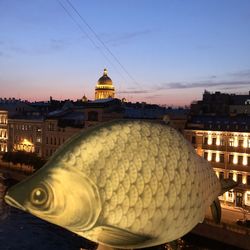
(89, 37)
(103, 44)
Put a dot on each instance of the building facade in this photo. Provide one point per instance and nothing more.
(3, 130)
(26, 135)
(104, 88)
(225, 143)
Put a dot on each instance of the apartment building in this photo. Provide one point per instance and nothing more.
(224, 141)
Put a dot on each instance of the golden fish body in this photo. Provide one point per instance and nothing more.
(126, 184)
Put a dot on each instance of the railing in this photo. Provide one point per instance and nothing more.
(226, 148)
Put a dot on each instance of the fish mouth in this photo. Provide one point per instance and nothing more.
(10, 201)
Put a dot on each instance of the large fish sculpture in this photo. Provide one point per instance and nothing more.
(124, 184)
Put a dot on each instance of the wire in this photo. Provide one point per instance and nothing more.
(103, 44)
(88, 36)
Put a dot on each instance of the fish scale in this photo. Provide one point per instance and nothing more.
(146, 179)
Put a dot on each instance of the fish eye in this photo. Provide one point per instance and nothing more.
(39, 196)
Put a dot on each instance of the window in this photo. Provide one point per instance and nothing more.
(231, 157)
(38, 129)
(222, 142)
(221, 158)
(221, 175)
(240, 159)
(38, 139)
(230, 176)
(248, 198)
(248, 179)
(51, 127)
(213, 141)
(205, 155)
(205, 140)
(54, 140)
(193, 139)
(47, 140)
(213, 157)
(231, 142)
(230, 195)
(241, 143)
(239, 178)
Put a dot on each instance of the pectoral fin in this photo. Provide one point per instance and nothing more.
(216, 211)
(119, 238)
(226, 185)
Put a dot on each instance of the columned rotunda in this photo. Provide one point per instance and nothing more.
(104, 87)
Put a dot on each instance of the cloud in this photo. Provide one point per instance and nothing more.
(133, 92)
(213, 77)
(241, 73)
(58, 44)
(206, 84)
(233, 88)
(125, 37)
(153, 96)
(50, 46)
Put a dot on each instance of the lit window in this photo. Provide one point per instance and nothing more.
(248, 197)
(209, 140)
(231, 142)
(235, 159)
(209, 156)
(245, 143)
(218, 142)
(234, 176)
(244, 179)
(236, 143)
(217, 159)
(244, 161)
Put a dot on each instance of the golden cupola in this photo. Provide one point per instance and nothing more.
(104, 87)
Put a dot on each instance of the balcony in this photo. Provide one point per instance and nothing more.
(238, 149)
(237, 167)
(226, 148)
(3, 125)
(214, 147)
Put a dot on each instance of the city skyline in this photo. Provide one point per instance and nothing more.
(172, 51)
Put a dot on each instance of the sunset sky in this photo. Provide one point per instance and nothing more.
(158, 51)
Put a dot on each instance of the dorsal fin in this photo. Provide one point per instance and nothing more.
(226, 185)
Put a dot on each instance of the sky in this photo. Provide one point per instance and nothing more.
(156, 51)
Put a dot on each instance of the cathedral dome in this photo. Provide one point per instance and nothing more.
(105, 80)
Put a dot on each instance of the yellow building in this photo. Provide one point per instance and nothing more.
(226, 145)
(3, 130)
(104, 88)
